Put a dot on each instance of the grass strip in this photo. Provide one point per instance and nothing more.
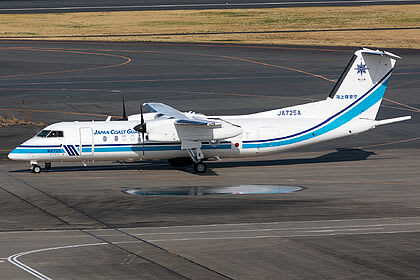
(375, 26)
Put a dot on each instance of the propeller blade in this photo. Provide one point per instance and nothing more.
(142, 136)
(143, 125)
(124, 116)
(141, 113)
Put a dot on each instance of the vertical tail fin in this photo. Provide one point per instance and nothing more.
(365, 77)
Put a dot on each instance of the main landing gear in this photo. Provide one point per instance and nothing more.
(197, 156)
(200, 167)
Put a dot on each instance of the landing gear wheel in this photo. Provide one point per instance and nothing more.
(200, 167)
(48, 165)
(36, 168)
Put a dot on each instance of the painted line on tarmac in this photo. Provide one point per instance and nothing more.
(13, 259)
(127, 60)
(58, 112)
(306, 229)
(283, 236)
(389, 143)
(380, 219)
(201, 5)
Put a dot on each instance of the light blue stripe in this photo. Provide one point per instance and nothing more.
(121, 149)
(35, 151)
(368, 102)
(155, 148)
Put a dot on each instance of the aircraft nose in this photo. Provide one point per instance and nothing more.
(12, 154)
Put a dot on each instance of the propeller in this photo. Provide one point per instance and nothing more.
(142, 126)
(124, 116)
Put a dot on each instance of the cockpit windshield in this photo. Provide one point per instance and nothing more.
(50, 133)
(43, 133)
(55, 134)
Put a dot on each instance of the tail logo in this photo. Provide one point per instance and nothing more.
(361, 68)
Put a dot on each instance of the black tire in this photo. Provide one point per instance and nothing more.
(48, 165)
(36, 168)
(200, 167)
(180, 162)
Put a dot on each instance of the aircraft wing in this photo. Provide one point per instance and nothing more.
(165, 110)
(181, 118)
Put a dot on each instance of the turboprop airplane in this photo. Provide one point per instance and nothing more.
(191, 138)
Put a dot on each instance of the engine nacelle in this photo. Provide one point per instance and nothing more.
(162, 130)
(166, 130)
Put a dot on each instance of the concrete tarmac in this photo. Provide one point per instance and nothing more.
(356, 217)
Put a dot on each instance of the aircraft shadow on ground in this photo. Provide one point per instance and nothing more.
(341, 155)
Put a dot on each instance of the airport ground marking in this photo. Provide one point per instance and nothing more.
(322, 231)
(13, 259)
(264, 64)
(127, 60)
(83, 51)
(136, 239)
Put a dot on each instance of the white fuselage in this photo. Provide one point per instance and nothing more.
(117, 140)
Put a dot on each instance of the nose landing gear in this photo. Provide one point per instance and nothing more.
(35, 168)
(197, 157)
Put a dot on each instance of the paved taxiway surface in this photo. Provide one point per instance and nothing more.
(358, 216)
(62, 6)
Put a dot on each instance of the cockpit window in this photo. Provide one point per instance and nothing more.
(50, 133)
(55, 133)
(43, 133)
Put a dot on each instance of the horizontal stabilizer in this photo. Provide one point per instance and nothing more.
(378, 52)
(393, 120)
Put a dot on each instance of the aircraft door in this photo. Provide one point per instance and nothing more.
(86, 141)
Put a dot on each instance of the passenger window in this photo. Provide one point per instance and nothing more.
(132, 138)
(104, 138)
(116, 138)
(124, 138)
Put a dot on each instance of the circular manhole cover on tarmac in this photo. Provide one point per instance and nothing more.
(204, 190)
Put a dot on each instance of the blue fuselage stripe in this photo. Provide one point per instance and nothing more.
(132, 148)
(330, 118)
(365, 104)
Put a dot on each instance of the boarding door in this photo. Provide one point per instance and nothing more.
(267, 133)
(86, 141)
